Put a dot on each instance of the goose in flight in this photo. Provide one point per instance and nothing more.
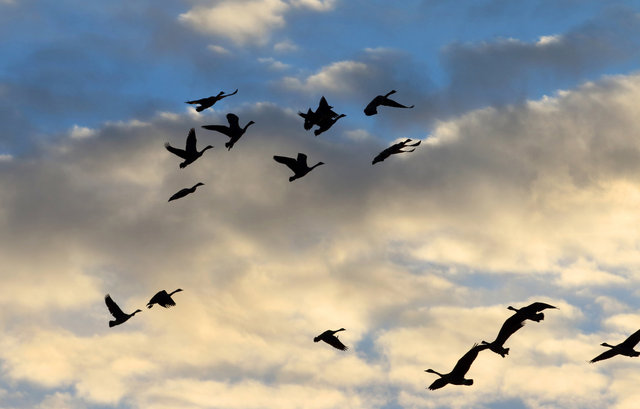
(514, 323)
(185, 191)
(384, 100)
(624, 348)
(326, 123)
(120, 317)
(312, 118)
(163, 299)
(233, 131)
(298, 166)
(456, 376)
(190, 153)
(330, 338)
(393, 149)
(205, 103)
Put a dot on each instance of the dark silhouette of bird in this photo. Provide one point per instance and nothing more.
(190, 153)
(185, 191)
(120, 317)
(205, 103)
(326, 123)
(323, 111)
(456, 376)
(514, 323)
(233, 131)
(163, 299)
(371, 108)
(394, 149)
(330, 338)
(298, 166)
(624, 348)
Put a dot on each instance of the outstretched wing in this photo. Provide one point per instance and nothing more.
(464, 363)
(290, 162)
(234, 121)
(632, 340)
(302, 160)
(113, 307)
(510, 326)
(218, 128)
(176, 151)
(538, 306)
(191, 141)
(199, 101)
(335, 342)
(605, 355)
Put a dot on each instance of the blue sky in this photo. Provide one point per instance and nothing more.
(526, 187)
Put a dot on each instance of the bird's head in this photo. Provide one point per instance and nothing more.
(512, 308)
(178, 290)
(136, 311)
(377, 159)
(316, 339)
(199, 184)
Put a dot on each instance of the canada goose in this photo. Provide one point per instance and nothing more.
(624, 348)
(393, 149)
(208, 102)
(185, 191)
(532, 311)
(233, 131)
(163, 299)
(298, 166)
(384, 100)
(120, 317)
(190, 153)
(329, 337)
(312, 118)
(456, 376)
(327, 123)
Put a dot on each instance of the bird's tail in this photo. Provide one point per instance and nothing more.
(227, 145)
(112, 324)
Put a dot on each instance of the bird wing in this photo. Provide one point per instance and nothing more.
(218, 128)
(538, 306)
(233, 120)
(391, 103)
(199, 101)
(176, 151)
(464, 363)
(324, 110)
(510, 326)
(191, 141)
(302, 160)
(605, 355)
(290, 162)
(632, 340)
(334, 342)
(157, 297)
(113, 307)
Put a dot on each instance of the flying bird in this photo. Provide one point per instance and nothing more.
(185, 191)
(326, 123)
(205, 103)
(394, 149)
(163, 299)
(371, 108)
(323, 111)
(190, 153)
(624, 348)
(514, 323)
(330, 338)
(298, 166)
(456, 376)
(120, 317)
(233, 131)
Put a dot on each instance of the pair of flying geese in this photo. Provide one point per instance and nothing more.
(162, 298)
(323, 117)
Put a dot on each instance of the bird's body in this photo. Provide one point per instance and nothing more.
(163, 299)
(233, 131)
(514, 323)
(190, 153)
(456, 376)
(118, 314)
(330, 338)
(394, 149)
(185, 191)
(624, 348)
(327, 123)
(371, 108)
(298, 166)
(205, 103)
(323, 111)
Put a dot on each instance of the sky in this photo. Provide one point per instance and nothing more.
(525, 187)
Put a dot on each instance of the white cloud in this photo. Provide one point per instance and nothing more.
(218, 49)
(81, 132)
(285, 47)
(338, 77)
(317, 5)
(274, 64)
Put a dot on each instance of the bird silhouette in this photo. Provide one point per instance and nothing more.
(120, 317)
(205, 103)
(163, 299)
(371, 108)
(330, 338)
(624, 348)
(323, 111)
(394, 149)
(190, 153)
(185, 191)
(456, 376)
(233, 131)
(514, 323)
(326, 123)
(298, 166)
